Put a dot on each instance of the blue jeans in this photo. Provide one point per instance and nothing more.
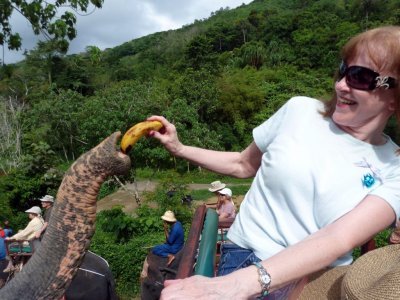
(234, 258)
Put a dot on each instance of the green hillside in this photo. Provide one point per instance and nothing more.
(230, 71)
(215, 79)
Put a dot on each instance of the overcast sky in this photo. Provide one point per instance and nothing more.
(120, 21)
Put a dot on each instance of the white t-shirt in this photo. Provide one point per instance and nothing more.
(311, 174)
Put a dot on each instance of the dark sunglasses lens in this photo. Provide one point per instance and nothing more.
(342, 71)
(361, 78)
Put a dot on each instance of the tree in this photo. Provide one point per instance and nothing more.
(94, 54)
(10, 133)
(253, 54)
(199, 51)
(44, 19)
(44, 57)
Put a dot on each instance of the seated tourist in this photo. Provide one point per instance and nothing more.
(28, 233)
(215, 186)
(226, 208)
(174, 237)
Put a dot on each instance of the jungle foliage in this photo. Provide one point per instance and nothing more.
(55, 20)
(215, 79)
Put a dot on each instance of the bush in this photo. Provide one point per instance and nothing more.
(125, 259)
(107, 188)
(124, 241)
(381, 240)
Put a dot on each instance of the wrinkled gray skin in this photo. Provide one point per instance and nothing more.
(51, 269)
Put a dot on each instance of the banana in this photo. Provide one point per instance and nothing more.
(136, 132)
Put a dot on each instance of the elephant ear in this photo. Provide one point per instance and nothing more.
(51, 269)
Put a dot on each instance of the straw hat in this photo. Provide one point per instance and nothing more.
(375, 275)
(216, 186)
(34, 210)
(325, 284)
(47, 198)
(169, 216)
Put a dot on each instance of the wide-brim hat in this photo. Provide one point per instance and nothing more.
(47, 198)
(374, 275)
(325, 284)
(34, 210)
(169, 216)
(216, 186)
(226, 192)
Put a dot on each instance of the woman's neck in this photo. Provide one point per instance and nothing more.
(373, 136)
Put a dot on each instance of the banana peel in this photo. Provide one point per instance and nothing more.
(136, 132)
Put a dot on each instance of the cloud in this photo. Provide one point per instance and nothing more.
(120, 21)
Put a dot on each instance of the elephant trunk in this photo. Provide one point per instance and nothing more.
(52, 267)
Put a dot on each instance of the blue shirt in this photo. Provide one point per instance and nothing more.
(8, 232)
(2, 249)
(176, 236)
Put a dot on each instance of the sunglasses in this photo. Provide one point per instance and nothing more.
(365, 79)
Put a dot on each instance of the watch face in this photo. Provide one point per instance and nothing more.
(265, 278)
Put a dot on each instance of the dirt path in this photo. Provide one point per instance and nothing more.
(126, 198)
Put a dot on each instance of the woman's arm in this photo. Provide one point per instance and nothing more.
(314, 253)
(166, 231)
(174, 234)
(39, 233)
(238, 164)
(25, 233)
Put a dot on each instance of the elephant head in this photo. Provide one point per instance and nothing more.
(51, 269)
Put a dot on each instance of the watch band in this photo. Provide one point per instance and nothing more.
(263, 278)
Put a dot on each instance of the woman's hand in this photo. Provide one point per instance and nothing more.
(219, 203)
(167, 135)
(200, 287)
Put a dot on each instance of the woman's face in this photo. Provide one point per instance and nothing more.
(221, 197)
(360, 110)
(31, 216)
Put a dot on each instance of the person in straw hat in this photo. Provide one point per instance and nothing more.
(174, 237)
(214, 188)
(326, 178)
(29, 232)
(47, 204)
(35, 224)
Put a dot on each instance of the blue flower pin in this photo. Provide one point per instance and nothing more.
(368, 180)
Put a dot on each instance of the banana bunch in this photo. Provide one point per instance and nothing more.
(136, 132)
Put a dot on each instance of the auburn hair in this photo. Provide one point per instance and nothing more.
(382, 45)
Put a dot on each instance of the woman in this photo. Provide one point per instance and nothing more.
(29, 232)
(35, 224)
(226, 207)
(174, 237)
(215, 186)
(326, 179)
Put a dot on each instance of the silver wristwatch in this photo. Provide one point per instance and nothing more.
(264, 278)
